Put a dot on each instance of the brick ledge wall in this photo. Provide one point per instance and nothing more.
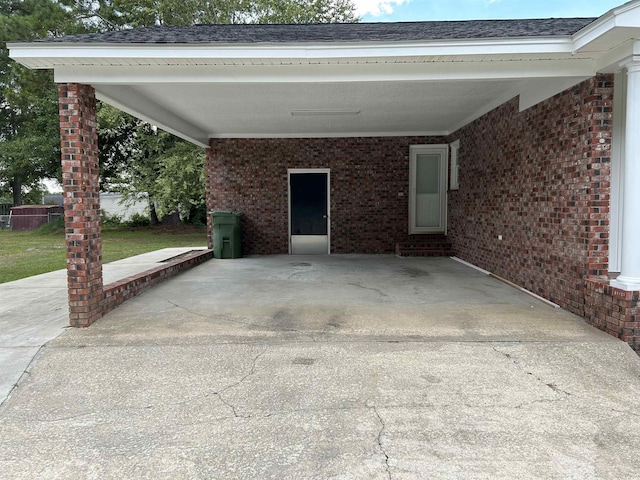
(119, 292)
(613, 310)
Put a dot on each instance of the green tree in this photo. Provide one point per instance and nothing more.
(29, 133)
(115, 14)
(138, 158)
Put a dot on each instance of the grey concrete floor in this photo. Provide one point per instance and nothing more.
(328, 367)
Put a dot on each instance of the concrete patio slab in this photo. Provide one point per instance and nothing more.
(351, 367)
(34, 311)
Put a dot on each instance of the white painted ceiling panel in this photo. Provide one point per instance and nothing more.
(264, 109)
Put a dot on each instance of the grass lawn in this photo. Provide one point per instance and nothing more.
(23, 254)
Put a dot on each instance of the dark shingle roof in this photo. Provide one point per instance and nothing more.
(337, 32)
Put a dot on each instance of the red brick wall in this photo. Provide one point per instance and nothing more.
(614, 311)
(119, 292)
(539, 178)
(367, 174)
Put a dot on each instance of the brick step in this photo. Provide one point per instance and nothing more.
(410, 245)
(426, 253)
(433, 246)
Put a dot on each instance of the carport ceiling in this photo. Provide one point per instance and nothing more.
(323, 109)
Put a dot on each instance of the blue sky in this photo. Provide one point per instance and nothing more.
(408, 10)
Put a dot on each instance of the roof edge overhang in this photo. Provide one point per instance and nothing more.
(35, 55)
(624, 16)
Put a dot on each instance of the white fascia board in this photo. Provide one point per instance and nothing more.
(130, 101)
(627, 15)
(330, 73)
(443, 133)
(593, 31)
(61, 53)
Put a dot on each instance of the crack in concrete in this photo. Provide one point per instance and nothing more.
(228, 320)
(377, 290)
(623, 412)
(552, 386)
(555, 388)
(25, 372)
(542, 400)
(174, 404)
(124, 409)
(239, 382)
(379, 439)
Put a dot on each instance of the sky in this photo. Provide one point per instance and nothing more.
(416, 10)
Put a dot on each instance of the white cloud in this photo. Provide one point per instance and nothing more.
(376, 7)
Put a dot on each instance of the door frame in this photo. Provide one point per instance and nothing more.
(436, 149)
(294, 171)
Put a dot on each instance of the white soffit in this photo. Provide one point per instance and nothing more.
(384, 108)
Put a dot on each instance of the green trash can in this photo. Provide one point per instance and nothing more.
(227, 242)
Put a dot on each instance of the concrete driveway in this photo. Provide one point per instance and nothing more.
(349, 367)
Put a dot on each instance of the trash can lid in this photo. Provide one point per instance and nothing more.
(222, 213)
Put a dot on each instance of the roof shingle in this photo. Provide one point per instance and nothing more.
(336, 32)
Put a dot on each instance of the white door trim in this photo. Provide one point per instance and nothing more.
(293, 171)
(443, 151)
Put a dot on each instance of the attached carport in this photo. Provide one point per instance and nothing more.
(417, 80)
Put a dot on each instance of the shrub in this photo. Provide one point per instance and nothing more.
(110, 220)
(53, 227)
(138, 220)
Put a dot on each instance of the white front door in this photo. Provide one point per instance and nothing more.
(428, 189)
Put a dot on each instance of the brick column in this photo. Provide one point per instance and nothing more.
(208, 189)
(80, 182)
(598, 111)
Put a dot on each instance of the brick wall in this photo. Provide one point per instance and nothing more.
(367, 174)
(119, 292)
(539, 178)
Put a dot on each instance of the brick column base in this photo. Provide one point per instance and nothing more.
(613, 310)
(80, 183)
